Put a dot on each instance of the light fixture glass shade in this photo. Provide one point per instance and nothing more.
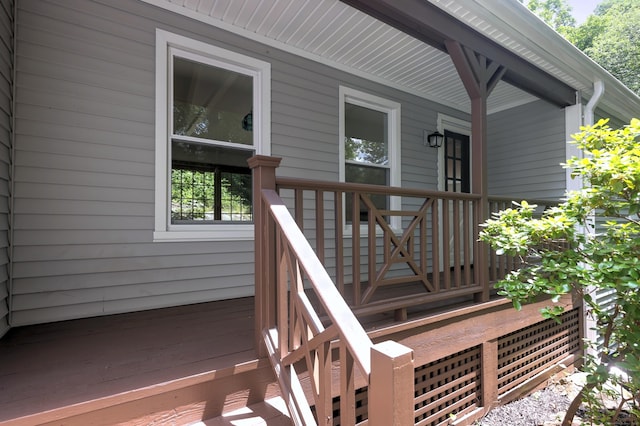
(435, 139)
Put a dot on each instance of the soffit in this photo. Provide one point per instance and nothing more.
(336, 34)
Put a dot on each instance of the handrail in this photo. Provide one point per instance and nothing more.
(537, 201)
(387, 367)
(309, 184)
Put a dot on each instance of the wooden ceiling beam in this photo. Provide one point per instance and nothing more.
(430, 24)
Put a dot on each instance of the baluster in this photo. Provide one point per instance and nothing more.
(320, 225)
(467, 242)
(339, 233)
(423, 239)
(493, 267)
(372, 241)
(299, 208)
(347, 387)
(456, 244)
(446, 252)
(355, 249)
(322, 381)
(284, 276)
(435, 245)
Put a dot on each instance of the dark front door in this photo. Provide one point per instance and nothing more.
(456, 162)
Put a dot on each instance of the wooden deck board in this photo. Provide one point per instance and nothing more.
(272, 412)
(47, 366)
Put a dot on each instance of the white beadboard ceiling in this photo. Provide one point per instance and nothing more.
(338, 35)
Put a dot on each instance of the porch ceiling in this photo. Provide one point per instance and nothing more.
(334, 33)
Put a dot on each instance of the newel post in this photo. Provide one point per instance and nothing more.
(391, 385)
(264, 177)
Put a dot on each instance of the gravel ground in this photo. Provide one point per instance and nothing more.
(546, 407)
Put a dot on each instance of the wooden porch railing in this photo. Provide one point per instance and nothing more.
(299, 344)
(389, 260)
(430, 253)
(314, 274)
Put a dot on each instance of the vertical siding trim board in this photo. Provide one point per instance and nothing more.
(9, 7)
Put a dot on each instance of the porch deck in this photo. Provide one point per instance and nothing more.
(71, 363)
(47, 367)
(193, 363)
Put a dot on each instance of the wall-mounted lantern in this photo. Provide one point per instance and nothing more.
(434, 140)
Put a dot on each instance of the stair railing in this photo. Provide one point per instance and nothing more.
(319, 363)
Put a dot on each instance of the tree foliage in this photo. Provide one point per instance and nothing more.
(194, 198)
(609, 36)
(612, 39)
(556, 13)
(563, 252)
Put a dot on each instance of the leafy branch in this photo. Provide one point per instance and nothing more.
(562, 252)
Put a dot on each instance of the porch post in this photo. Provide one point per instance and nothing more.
(479, 186)
(264, 177)
(479, 75)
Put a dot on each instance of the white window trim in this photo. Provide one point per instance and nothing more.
(261, 71)
(393, 111)
(455, 125)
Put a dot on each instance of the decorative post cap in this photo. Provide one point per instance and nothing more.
(264, 161)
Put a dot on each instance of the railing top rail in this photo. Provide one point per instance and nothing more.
(337, 309)
(299, 183)
(538, 201)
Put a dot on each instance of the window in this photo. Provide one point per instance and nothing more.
(369, 145)
(212, 114)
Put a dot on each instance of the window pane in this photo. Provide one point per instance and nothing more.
(209, 183)
(191, 195)
(212, 103)
(458, 148)
(365, 135)
(450, 152)
(235, 194)
(365, 174)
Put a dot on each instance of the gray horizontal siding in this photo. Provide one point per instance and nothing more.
(85, 159)
(6, 88)
(84, 184)
(84, 187)
(525, 148)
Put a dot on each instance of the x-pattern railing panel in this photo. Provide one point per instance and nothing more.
(399, 249)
